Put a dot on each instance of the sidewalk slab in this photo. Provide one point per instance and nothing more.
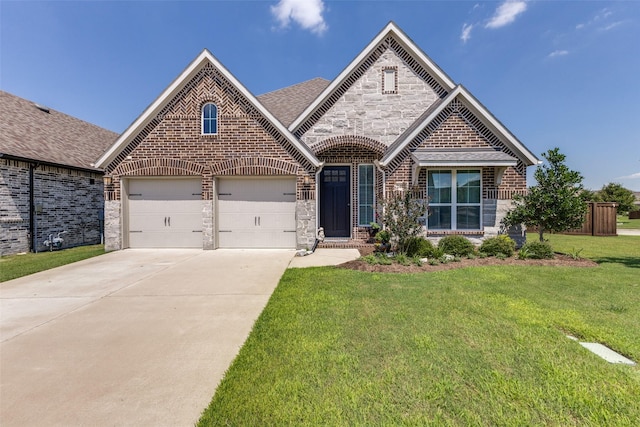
(324, 257)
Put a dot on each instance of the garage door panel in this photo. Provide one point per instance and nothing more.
(165, 213)
(235, 206)
(151, 239)
(257, 213)
(250, 239)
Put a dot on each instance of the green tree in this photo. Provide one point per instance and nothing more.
(401, 214)
(614, 192)
(555, 203)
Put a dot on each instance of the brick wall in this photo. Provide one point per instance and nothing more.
(172, 145)
(65, 200)
(14, 207)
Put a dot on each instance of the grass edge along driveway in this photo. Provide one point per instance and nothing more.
(15, 266)
(478, 346)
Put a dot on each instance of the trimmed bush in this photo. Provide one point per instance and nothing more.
(456, 245)
(536, 250)
(421, 247)
(499, 245)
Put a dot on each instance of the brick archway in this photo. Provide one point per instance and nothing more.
(159, 167)
(353, 141)
(254, 166)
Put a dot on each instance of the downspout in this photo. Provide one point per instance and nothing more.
(32, 208)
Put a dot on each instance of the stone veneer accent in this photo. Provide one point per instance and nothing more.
(364, 110)
(66, 200)
(208, 241)
(305, 223)
(112, 226)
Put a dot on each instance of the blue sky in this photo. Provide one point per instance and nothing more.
(556, 73)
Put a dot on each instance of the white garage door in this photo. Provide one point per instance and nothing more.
(165, 213)
(257, 213)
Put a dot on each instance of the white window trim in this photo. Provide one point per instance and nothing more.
(373, 190)
(454, 202)
(202, 132)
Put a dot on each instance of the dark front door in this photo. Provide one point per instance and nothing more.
(335, 201)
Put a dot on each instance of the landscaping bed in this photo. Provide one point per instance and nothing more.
(560, 260)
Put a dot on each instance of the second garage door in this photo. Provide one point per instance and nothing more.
(257, 213)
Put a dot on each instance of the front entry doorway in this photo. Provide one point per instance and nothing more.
(335, 201)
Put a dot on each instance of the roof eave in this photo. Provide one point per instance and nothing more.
(192, 69)
(390, 155)
(407, 43)
(497, 127)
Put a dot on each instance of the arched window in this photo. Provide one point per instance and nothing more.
(209, 119)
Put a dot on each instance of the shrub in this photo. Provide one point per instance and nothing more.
(456, 245)
(421, 247)
(377, 259)
(536, 250)
(499, 245)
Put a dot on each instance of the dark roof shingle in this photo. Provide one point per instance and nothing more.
(288, 103)
(49, 136)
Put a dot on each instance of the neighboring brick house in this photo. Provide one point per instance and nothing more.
(209, 165)
(47, 182)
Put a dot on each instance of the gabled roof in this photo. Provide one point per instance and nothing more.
(478, 110)
(286, 104)
(170, 92)
(32, 132)
(391, 30)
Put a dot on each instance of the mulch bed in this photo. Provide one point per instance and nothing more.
(559, 261)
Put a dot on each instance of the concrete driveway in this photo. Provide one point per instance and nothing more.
(135, 337)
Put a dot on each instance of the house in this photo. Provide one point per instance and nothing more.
(47, 183)
(209, 165)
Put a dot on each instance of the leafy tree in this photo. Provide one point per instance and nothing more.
(400, 215)
(589, 195)
(554, 204)
(614, 192)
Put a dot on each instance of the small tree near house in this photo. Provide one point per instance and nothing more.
(401, 213)
(555, 203)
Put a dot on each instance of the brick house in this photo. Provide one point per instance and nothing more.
(47, 182)
(209, 165)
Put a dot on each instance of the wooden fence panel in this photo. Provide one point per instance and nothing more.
(600, 220)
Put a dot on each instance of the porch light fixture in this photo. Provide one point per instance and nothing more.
(106, 180)
(307, 180)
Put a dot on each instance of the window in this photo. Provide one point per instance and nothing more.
(365, 195)
(389, 80)
(209, 119)
(455, 197)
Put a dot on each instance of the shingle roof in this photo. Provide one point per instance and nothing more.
(463, 157)
(288, 103)
(49, 136)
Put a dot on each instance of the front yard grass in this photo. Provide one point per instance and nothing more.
(14, 266)
(473, 346)
(628, 224)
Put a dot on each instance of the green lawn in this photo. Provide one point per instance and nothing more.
(14, 266)
(476, 346)
(626, 223)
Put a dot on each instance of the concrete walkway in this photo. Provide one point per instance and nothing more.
(323, 257)
(130, 338)
(631, 232)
